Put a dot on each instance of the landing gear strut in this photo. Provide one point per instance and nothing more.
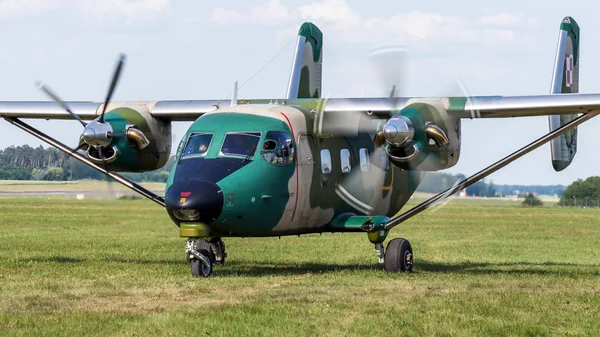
(202, 255)
(398, 256)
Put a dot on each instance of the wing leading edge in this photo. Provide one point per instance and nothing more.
(459, 107)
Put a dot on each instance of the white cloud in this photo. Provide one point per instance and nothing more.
(505, 19)
(420, 29)
(271, 11)
(226, 17)
(139, 8)
(27, 7)
(336, 12)
(501, 19)
(417, 26)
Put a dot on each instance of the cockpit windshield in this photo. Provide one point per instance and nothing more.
(197, 144)
(240, 144)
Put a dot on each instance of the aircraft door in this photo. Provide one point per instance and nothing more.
(306, 215)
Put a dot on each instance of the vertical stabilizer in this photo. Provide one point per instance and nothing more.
(565, 80)
(305, 77)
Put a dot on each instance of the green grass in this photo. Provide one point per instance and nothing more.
(77, 185)
(93, 267)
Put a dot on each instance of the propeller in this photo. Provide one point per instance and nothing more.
(395, 139)
(97, 135)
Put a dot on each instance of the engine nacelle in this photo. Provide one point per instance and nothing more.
(434, 142)
(138, 141)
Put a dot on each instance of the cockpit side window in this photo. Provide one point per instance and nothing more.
(242, 144)
(278, 148)
(197, 144)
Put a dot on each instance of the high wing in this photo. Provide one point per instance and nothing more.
(458, 107)
(479, 106)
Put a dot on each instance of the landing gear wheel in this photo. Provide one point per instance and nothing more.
(398, 256)
(201, 264)
(203, 245)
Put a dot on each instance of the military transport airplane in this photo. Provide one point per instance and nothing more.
(303, 164)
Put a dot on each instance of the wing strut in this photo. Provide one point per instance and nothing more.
(64, 148)
(489, 170)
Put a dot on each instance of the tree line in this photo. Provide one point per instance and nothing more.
(435, 182)
(27, 163)
(582, 193)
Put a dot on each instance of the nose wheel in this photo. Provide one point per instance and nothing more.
(201, 264)
(203, 255)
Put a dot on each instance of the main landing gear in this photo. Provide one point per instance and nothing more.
(203, 255)
(398, 256)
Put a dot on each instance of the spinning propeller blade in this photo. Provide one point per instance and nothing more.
(60, 102)
(389, 64)
(113, 85)
(111, 192)
(90, 136)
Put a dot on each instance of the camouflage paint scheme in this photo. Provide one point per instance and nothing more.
(564, 148)
(302, 198)
(129, 158)
(310, 74)
(262, 199)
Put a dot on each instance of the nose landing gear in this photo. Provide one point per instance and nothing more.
(202, 255)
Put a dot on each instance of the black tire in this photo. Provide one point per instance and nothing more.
(203, 245)
(198, 268)
(399, 256)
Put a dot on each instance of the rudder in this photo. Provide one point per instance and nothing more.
(565, 80)
(306, 74)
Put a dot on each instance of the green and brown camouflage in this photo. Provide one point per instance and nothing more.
(304, 164)
(306, 74)
(128, 157)
(565, 81)
(338, 180)
(262, 199)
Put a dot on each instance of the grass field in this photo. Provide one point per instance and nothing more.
(94, 267)
(78, 185)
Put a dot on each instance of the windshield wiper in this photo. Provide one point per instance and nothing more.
(251, 154)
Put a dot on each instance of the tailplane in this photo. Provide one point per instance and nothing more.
(305, 77)
(565, 80)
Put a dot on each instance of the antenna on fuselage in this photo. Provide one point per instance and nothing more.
(234, 94)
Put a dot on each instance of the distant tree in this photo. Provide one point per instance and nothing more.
(478, 189)
(489, 190)
(532, 201)
(582, 193)
(54, 173)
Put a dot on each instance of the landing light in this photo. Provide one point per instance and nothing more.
(186, 214)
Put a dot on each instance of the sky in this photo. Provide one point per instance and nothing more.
(188, 49)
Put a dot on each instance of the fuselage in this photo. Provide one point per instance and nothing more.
(261, 170)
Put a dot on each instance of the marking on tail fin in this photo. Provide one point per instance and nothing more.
(569, 70)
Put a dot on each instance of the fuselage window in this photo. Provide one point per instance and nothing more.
(345, 160)
(325, 161)
(242, 144)
(197, 144)
(364, 159)
(278, 148)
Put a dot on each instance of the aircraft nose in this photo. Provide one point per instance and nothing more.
(194, 201)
